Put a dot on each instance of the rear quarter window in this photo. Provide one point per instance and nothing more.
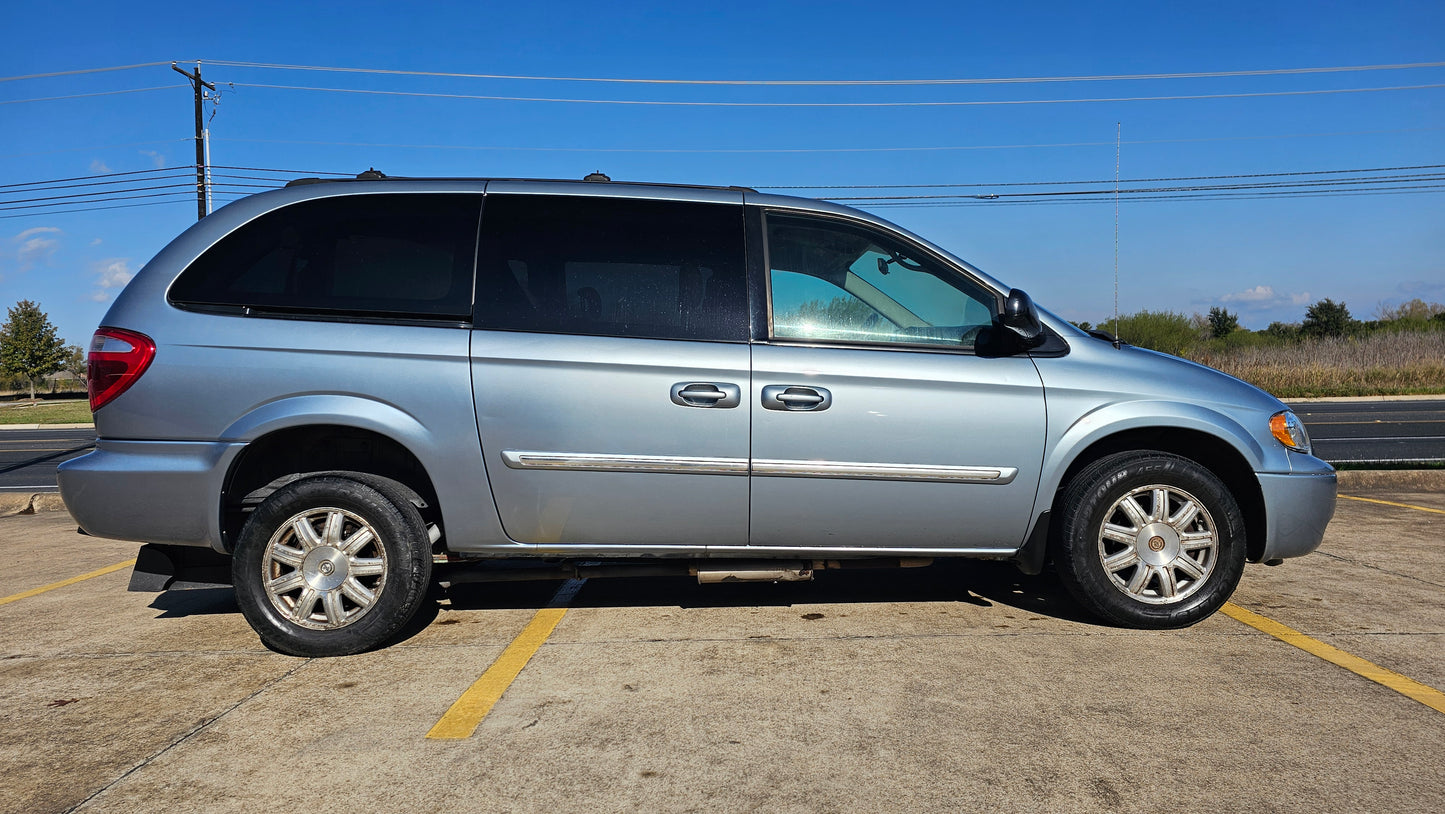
(394, 255)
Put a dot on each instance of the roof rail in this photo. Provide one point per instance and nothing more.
(373, 174)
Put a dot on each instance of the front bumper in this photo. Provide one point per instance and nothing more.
(1297, 508)
(149, 491)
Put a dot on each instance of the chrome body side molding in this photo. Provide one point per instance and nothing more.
(684, 465)
(872, 471)
(601, 462)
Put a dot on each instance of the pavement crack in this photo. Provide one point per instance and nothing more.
(1381, 570)
(192, 732)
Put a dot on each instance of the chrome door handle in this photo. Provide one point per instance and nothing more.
(706, 394)
(796, 398)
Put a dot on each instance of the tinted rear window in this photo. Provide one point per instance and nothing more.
(612, 267)
(389, 255)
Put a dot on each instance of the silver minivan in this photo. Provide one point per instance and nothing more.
(334, 394)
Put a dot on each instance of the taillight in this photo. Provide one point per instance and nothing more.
(117, 358)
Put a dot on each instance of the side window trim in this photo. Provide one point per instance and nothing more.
(765, 329)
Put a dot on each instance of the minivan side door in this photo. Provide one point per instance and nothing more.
(875, 423)
(610, 368)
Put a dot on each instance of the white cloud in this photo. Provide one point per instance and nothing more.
(110, 276)
(156, 158)
(1263, 298)
(36, 245)
(96, 242)
(99, 168)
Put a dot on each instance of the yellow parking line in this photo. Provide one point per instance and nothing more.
(1408, 687)
(64, 582)
(1388, 503)
(467, 713)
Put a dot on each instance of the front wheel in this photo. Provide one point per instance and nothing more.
(330, 565)
(1149, 540)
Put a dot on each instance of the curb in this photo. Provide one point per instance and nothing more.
(4, 427)
(1348, 399)
(1409, 480)
(1353, 399)
(11, 505)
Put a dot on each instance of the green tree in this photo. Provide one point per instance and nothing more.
(1164, 331)
(75, 361)
(1327, 318)
(29, 346)
(1283, 330)
(1416, 310)
(1222, 323)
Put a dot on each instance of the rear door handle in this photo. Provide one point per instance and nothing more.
(706, 394)
(796, 398)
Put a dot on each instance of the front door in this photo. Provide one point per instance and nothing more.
(875, 423)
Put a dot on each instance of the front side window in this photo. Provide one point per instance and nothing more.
(612, 267)
(837, 282)
(408, 256)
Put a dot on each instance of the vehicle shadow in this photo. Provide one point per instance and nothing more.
(984, 584)
(196, 602)
(980, 583)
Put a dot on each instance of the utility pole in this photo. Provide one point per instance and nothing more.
(199, 86)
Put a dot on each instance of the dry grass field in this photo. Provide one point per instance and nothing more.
(1376, 365)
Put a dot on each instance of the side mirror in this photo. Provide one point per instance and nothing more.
(1021, 318)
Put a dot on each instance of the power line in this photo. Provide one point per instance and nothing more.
(83, 71)
(837, 82)
(96, 184)
(1430, 189)
(185, 189)
(99, 175)
(773, 150)
(1385, 180)
(1109, 181)
(1341, 183)
(98, 208)
(753, 82)
(294, 172)
(87, 194)
(87, 95)
(970, 103)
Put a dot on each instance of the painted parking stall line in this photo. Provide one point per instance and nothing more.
(467, 713)
(1406, 686)
(99, 572)
(1391, 503)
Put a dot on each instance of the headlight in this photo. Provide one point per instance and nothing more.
(1289, 430)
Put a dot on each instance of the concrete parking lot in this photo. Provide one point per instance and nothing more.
(959, 687)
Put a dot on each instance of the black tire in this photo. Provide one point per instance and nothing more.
(1184, 568)
(357, 599)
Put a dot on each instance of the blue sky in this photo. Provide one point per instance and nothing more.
(1265, 258)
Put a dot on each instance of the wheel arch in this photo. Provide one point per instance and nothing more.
(1218, 444)
(287, 453)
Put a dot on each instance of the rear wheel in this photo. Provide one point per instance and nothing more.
(330, 565)
(1150, 540)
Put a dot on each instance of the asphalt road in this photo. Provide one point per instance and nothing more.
(28, 458)
(1376, 431)
(1373, 432)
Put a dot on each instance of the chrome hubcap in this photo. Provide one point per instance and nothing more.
(324, 568)
(1158, 544)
